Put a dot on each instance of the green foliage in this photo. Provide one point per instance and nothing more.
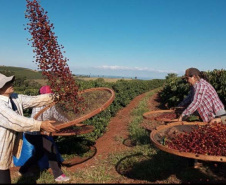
(218, 80)
(174, 91)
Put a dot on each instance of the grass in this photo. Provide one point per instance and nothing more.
(95, 174)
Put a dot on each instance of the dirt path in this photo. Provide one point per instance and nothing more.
(111, 141)
(117, 128)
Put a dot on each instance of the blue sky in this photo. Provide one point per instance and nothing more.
(130, 38)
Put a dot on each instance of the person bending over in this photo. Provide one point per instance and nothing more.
(202, 98)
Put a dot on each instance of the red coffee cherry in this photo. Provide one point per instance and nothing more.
(49, 57)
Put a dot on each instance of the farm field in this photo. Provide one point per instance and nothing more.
(115, 162)
(105, 79)
(43, 82)
(123, 153)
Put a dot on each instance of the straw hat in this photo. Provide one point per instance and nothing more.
(192, 71)
(4, 79)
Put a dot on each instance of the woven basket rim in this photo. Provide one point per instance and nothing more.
(80, 132)
(147, 114)
(84, 117)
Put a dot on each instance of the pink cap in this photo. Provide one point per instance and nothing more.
(45, 89)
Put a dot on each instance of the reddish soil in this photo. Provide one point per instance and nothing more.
(118, 127)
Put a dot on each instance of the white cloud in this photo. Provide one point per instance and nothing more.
(134, 69)
(122, 71)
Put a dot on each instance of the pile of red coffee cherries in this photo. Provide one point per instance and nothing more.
(209, 139)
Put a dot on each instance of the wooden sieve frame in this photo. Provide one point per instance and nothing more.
(77, 122)
(83, 130)
(147, 114)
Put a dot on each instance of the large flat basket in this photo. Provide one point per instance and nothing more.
(96, 100)
(157, 137)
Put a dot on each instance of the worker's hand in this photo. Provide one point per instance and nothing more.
(56, 97)
(48, 127)
(215, 120)
(180, 118)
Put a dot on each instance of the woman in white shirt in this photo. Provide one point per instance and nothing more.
(13, 121)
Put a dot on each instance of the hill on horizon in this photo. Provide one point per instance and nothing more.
(37, 75)
(22, 72)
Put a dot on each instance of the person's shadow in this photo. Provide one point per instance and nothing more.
(161, 167)
(30, 179)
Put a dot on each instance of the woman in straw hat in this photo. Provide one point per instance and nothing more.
(13, 121)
